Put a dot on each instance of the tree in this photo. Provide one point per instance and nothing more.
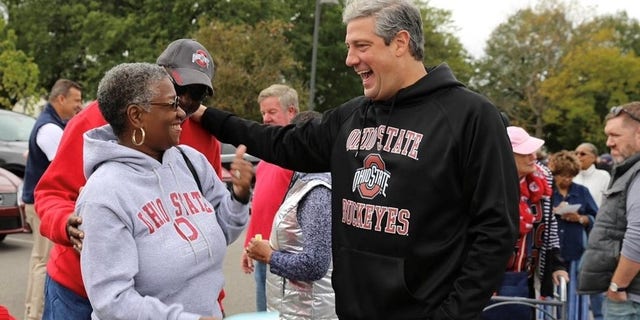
(441, 45)
(242, 70)
(592, 79)
(18, 72)
(521, 54)
(600, 71)
(80, 40)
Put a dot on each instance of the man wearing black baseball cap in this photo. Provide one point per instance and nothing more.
(192, 69)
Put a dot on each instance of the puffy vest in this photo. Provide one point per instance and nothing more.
(37, 161)
(297, 299)
(605, 240)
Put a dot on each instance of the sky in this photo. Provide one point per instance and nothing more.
(476, 19)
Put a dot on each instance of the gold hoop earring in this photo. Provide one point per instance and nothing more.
(133, 137)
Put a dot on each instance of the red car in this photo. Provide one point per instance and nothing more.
(12, 218)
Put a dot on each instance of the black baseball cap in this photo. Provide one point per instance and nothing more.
(188, 62)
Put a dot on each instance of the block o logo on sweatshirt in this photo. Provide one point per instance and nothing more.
(372, 179)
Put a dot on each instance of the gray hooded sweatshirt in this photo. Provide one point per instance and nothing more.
(154, 245)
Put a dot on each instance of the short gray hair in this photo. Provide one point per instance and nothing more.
(590, 146)
(124, 85)
(285, 94)
(391, 17)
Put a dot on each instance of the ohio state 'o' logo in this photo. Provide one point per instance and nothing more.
(201, 58)
(372, 179)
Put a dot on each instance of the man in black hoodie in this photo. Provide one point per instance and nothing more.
(425, 189)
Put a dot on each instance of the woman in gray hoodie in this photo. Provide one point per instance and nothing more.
(157, 218)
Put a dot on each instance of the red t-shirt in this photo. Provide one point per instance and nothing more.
(271, 186)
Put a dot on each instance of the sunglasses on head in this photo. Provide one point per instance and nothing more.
(616, 111)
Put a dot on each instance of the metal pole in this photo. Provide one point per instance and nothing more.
(314, 56)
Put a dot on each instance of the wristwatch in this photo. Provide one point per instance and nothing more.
(613, 287)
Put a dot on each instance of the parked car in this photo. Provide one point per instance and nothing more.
(12, 216)
(15, 129)
(228, 152)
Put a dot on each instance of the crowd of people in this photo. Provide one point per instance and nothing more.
(416, 200)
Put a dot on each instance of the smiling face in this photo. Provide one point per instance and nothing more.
(70, 104)
(162, 121)
(375, 62)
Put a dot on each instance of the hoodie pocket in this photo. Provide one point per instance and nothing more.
(372, 286)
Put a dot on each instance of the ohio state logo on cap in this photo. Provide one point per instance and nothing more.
(372, 179)
(200, 58)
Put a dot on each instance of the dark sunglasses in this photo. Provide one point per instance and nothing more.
(616, 111)
(173, 105)
(582, 153)
(197, 92)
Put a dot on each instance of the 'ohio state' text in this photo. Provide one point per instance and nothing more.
(154, 215)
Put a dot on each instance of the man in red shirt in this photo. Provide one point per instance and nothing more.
(191, 69)
(278, 106)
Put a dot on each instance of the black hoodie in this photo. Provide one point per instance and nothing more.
(425, 202)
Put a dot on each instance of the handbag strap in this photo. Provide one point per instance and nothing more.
(191, 168)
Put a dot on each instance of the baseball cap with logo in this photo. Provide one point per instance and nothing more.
(522, 142)
(188, 62)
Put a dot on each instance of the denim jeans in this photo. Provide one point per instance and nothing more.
(627, 310)
(596, 305)
(62, 303)
(577, 304)
(260, 274)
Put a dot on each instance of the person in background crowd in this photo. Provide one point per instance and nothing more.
(597, 181)
(537, 251)
(298, 252)
(153, 247)
(424, 185)
(574, 224)
(612, 260)
(278, 105)
(192, 66)
(65, 101)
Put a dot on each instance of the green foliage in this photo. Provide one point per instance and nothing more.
(441, 45)
(80, 40)
(558, 78)
(241, 70)
(18, 72)
(521, 54)
(593, 79)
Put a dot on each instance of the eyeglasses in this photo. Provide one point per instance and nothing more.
(173, 105)
(582, 153)
(615, 111)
